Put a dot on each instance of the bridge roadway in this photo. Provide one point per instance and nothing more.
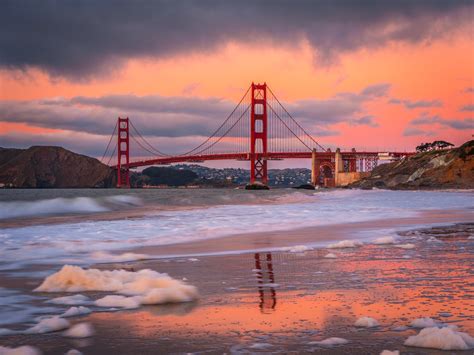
(246, 156)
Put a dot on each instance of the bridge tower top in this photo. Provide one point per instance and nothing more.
(258, 134)
(123, 152)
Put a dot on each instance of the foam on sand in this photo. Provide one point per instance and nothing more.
(384, 240)
(405, 246)
(21, 350)
(330, 342)
(113, 301)
(149, 286)
(331, 256)
(345, 244)
(73, 300)
(104, 257)
(49, 325)
(366, 322)
(390, 352)
(424, 322)
(296, 249)
(76, 311)
(441, 338)
(80, 330)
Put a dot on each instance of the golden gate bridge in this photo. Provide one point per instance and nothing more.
(259, 129)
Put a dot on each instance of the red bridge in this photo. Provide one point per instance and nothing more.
(258, 130)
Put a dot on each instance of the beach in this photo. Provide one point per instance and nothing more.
(281, 288)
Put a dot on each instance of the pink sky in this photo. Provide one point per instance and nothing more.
(425, 89)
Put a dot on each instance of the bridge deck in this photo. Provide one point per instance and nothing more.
(246, 157)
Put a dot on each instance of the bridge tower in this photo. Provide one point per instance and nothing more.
(123, 151)
(258, 134)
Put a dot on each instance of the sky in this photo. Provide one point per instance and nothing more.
(374, 75)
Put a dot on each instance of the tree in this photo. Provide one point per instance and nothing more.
(424, 147)
(441, 145)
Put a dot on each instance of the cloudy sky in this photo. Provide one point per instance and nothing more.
(365, 74)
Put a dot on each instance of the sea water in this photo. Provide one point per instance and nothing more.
(180, 216)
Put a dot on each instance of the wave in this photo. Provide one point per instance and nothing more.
(61, 206)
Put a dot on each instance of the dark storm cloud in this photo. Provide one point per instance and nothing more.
(413, 131)
(152, 115)
(467, 108)
(160, 116)
(342, 107)
(82, 38)
(417, 104)
(460, 124)
(368, 120)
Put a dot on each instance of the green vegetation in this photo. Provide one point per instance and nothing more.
(165, 176)
(436, 145)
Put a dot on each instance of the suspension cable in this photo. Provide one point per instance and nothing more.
(217, 130)
(278, 116)
(113, 153)
(110, 140)
(156, 151)
(228, 130)
(276, 98)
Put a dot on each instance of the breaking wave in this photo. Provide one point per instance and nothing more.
(60, 206)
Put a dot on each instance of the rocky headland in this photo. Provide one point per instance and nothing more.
(437, 169)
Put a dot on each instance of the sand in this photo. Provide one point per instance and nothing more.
(286, 301)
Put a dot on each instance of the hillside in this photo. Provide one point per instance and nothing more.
(48, 167)
(439, 169)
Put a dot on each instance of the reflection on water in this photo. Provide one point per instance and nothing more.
(266, 282)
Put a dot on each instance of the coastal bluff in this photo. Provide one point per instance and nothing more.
(52, 167)
(437, 169)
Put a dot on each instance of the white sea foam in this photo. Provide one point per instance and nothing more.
(345, 244)
(390, 352)
(71, 300)
(384, 240)
(76, 311)
(117, 301)
(424, 322)
(405, 246)
(366, 322)
(80, 330)
(104, 257)
(441, 338)
(149, 286)
(21, 350)
(331, 256)
(49, 325)
(330, 342)
(296, 249)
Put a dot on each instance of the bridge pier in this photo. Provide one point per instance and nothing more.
(315, 168)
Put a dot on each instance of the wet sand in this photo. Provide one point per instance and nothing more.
(280, 302)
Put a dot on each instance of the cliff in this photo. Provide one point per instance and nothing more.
(439, 169)
(52, 167)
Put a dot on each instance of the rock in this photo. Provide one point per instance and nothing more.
(256, 186)
(52, 167)
(305, 187)
(439, 169)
